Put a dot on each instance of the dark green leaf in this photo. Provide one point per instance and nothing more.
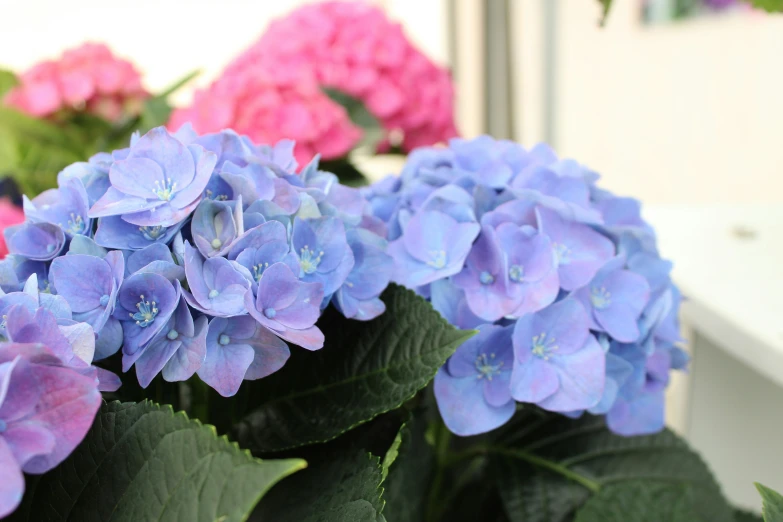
(365, 369)
(640, 501)
(547, 466)
(143, 462)
(28, 128)
(345, 171)
(740, 515)
(7, 81)
(773, 504)
(341, 486)
(771, 6)
(410, 466)
(361, 117)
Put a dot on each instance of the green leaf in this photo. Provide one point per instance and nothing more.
(361, 117)
(640, 501)
(144, 462)
(606, 5)
(156, 110)
(773, 504)
(8, 80)
(342, 486)
(740, 515)
(345, 171)
(547, 466)
(410, 467)
(771, 6)
(365, 369)
(34, 129)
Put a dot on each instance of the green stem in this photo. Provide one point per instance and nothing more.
(442, 439)
(199, 399)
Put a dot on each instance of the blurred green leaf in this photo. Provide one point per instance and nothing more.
(773, 504)
(361, 117)
(771, 6)
(7, 81)
(157, 110)
(607, 5)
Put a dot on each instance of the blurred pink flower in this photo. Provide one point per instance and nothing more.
(271, 105)
(88, 78)
(10, 214)
(273, 90)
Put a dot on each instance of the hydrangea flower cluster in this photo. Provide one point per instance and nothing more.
(47, 404)
(575, 308)
(351, 47)
(197, 255)
(88, 78)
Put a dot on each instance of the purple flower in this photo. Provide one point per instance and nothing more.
(159, 183)
(215, 225)
(45, 412)
(94, 176)
(65, 206)
(323, 252)
(154, 259)
(639, 408)
(449, 301)
(217, 285)
(566, 195)
(90, 285)
(615, 298)
(472, 389)
(144, 305)
(287, 306)
(240, 348)
(178, 350)
(35, 241)
(433, 246)
(358, 297)
(114, 232)
(559, 365)
(579, 250)
(261, 247)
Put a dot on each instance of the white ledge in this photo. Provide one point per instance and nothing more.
(727, 262)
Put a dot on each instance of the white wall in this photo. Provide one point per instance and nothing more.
(678, 113)
(169, 38)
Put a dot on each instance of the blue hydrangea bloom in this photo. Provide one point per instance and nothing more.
(159, 183)
(559, 364)
(66, 206)
(496, 234)
(240, 348)
(178, 349)
(473, 388)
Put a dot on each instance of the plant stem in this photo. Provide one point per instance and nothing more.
(199, 400)
(442, 439)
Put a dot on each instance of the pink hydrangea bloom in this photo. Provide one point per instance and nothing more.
(88, 77)
(270, 105)
(10, 214)
(268, 93)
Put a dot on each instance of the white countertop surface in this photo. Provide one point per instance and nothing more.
(727, 261)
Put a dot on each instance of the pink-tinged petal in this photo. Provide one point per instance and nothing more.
(310, 339)
(620, 322)
(533, 381)
(115, 203)
(11, 481)
(462, 405)
(278, 288)
(67, 406)
(136, 177)
(27, 440)
(164, 215)
(581, 375)
(225, 366)
(271, 353)
(189, 358)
